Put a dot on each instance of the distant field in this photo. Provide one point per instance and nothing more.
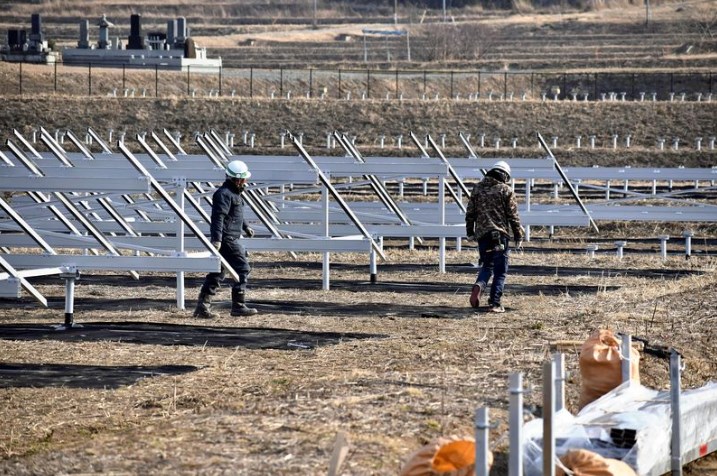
(679, 35)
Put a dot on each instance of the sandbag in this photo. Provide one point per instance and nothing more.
(600, 365)
(445, 456)
(587, 463)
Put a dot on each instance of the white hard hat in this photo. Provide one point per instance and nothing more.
(503, 166)
(238, 169)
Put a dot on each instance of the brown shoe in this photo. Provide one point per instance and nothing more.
(475, 295)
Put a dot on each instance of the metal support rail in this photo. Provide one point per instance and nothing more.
(334, 193)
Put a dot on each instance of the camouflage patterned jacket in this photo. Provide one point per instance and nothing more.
(492, 206)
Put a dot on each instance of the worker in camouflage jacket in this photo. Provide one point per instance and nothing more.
(491, 215)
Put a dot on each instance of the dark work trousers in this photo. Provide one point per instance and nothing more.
(235, 254)
(495, 263)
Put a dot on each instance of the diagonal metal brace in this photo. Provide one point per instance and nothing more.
(567, 182)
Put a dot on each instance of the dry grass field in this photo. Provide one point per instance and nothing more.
(144, 388)
(392, 365)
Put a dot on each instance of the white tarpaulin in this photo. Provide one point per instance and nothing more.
(631, 423)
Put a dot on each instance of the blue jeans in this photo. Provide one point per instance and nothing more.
(495, 263)
(235, 254)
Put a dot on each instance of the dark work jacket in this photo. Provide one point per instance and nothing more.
(227, 213)
(492, 206)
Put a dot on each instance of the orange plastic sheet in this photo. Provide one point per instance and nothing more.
(445, 456)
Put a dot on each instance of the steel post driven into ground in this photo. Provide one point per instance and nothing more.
(442, 221)
(326, 262)
(180, 195)
(625, 363)
(482, 430)
(559, 359)
(548, 414)
(515, 424)
(675, 384)
(69, 274)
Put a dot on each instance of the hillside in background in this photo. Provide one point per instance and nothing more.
(538, 35)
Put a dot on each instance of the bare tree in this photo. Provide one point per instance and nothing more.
(450, 42)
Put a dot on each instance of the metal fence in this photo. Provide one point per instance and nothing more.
(125, 81)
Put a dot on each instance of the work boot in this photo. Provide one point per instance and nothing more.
(204, 307)
(239, 308)
(475, 294)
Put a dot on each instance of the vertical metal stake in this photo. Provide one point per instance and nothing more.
(559, 359)
(675, 383)
(548, 413)
(372, 265)
(69, 301)
(181, 201)
(625, 364)
(326, 255)
(515, 424)
(482, 428)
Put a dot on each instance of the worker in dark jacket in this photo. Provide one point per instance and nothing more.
(226, 229)
(491, 215)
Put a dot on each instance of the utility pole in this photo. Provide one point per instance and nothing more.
(444, 11)
(647, 12)
(395, 12)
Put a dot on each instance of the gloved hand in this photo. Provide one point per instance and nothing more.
(249, 232)
(217, 245)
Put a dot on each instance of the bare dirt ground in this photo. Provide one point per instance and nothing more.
(392, 365)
